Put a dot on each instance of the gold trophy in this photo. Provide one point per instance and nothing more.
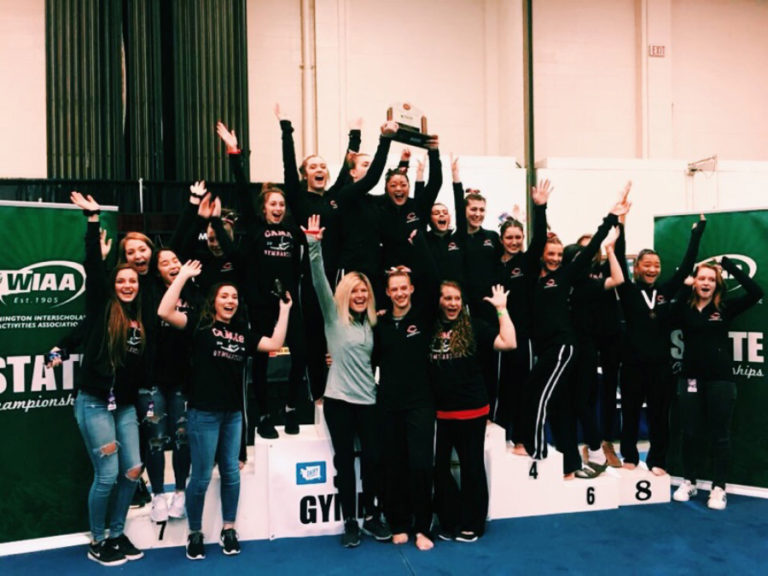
(412, 123)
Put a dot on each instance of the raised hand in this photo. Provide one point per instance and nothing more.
(105, 243)
(433, 143)
(190, 269)
(287, 302)
(278, 113)
(229, 138)
(498, 298)
(197, 192)
(356, 124)
(205, 209)
(455, 173)
(313, 229)
(540, 194)
(84, 202)
(389, 128)
(216, 207)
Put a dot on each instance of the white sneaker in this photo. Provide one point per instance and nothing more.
(178, 507)
(159, 511)
(685, 491)
(717, 499)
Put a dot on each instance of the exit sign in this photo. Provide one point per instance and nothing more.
(656, 50)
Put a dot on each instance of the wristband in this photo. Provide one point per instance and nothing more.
(311, 232)
(92, 212)
(501, 312)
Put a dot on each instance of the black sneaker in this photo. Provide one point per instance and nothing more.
(466, 536)
(351, 536)
(266, 429)
(446, 535)
(195, 546)
(141, 496)
(125, 547)
(228, 541)
(377, 528)
(291, 421)
(105, 554)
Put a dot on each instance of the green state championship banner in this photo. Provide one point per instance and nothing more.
(46, 473)
(742, 237)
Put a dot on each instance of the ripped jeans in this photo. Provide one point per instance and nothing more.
(112, 442)
(167, 427)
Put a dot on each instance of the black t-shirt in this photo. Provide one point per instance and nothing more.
(219, 352)
(458, 380)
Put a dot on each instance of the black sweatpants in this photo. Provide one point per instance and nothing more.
(609, 354)
(465, 508)
(513, 375)
(316, 346)
(649, 382)
(706, 412)
(345, 421)
(409, 437)
(550, 371)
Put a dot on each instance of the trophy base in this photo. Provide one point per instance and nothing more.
(413, 138)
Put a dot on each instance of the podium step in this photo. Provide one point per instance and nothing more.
(641, 486)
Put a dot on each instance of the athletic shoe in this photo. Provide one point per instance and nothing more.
(685, 491)
(610, 455)
(178, 508)
(446, 535)
(466, 536)
(141, 496)
(590, 470)
(228, 542)
(266, 429)
(291, 421)
(195, 546)
(105, 554)
(351, 536)
(377, 528)
(159, 512)
(125, 547)
(717, 499)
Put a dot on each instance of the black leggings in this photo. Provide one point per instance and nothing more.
(345, 421)
(514, 370)
(706, 412)
(408, 447)
(650, 382)
(465, 508)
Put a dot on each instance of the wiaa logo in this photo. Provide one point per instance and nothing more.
(310, 473)
(57, 282)
(745, 263)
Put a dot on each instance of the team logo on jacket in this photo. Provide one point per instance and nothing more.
(715, 317)
(440, 349)
(515, 273)
(412, 330)
(660, 299)
(411, 217)
(550, 283)
(229, 344)
(488, 243)
(227, 267)
(333, 204)
(133, 342)
(452, 246)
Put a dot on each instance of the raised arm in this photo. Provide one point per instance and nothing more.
(342, 179)
(167, 309)
(539, 197)
(617, 276)
(458, 202)
(375, 170)
(753, 291)
(432, 189)
(323, 289)
(507, 337)
(671, 286)
(275, 342)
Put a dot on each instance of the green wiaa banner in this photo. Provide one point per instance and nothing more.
(46, 473)
(741, 236)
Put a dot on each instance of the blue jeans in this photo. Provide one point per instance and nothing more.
(112, 442)
(168, 422)
(207, 432)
